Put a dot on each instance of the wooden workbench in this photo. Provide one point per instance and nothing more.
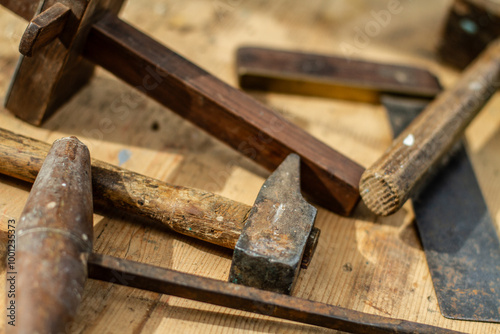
(370, 264)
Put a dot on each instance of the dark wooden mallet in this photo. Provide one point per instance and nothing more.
(92, 34)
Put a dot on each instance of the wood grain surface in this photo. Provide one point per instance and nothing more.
(370, 264)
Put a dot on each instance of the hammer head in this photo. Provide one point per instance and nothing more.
(269, 251)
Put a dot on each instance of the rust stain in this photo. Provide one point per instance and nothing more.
(193, 210)
(70, 147)
(369, 303)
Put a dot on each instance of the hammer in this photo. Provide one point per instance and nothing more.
(67, 38)
(54, 240)
(277, 231)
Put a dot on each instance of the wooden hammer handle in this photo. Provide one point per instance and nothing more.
(387, 185)
(192, 212)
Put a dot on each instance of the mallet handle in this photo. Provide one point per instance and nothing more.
(230, 115)
(387, 185)
(192, 212)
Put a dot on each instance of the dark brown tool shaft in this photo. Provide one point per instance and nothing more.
(53, 239)
(329, 76)
(174, 283)
(387, 185)
(228, 114)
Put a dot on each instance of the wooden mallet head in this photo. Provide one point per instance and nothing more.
(52, 69)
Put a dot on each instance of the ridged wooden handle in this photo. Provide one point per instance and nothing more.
(192, 212)
(387, 185)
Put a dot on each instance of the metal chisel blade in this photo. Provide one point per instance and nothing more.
(457, 232)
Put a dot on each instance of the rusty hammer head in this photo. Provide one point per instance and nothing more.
(269, 252)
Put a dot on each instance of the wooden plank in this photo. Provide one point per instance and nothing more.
(364, 263)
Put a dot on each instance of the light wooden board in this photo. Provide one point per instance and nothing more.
(370, 264)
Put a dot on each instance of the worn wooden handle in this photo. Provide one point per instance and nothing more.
(53, 239)
(192, 212)
(387, 185)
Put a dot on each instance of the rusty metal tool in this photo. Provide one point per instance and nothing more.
(286, 234)
(55, 243)
(53, 239)
(270, 249)
(207, 290)
(451, 215)
(93, 35)
(421, 147)
(460, 241)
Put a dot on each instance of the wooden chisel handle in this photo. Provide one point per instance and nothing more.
(52, 242)
(192, 212)
(387, 185)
